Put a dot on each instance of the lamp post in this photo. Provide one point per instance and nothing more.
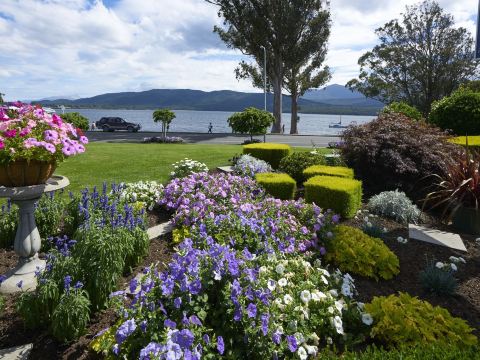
(477, 47)
(265, 82)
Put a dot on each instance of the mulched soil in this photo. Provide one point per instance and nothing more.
(465, 303)
(14, 333)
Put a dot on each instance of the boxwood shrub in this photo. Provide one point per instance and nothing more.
(280, 186)
(269, 152)
(339, 171)
(355, 252)
(295, 163)
(406, 320)
(342, 195)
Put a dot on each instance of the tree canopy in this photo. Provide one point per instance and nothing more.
(421, 58)
(251, 121)
(165, 116)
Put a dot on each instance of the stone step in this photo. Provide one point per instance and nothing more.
(159, 230)
(437, 237)
(225, 169)
(16, 353)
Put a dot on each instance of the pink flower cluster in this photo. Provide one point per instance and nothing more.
(31, 133)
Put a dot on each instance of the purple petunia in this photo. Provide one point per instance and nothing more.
(292, 343)
(184, 338)
(220, 345)
(170, 324)
(125, 330)
(251, 310)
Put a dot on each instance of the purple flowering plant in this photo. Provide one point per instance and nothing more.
(246, 282)
(29, 133)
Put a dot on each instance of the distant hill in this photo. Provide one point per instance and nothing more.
(329, 101)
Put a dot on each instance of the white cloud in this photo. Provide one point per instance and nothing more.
(84, 47)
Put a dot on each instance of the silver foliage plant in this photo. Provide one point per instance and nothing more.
(249, 166)
(395, 205)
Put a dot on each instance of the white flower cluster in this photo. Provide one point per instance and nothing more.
(302, 291)
(452, 265)
(402, 240)
(187, 167)
(146, 192)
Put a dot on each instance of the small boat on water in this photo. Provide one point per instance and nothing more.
(339, 125)
(49, 110)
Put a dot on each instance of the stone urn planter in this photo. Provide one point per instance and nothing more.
(467, 220)
(26, 173)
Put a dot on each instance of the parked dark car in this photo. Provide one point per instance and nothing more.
(116, 123)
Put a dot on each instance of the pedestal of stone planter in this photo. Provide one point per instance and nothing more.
(27, 239)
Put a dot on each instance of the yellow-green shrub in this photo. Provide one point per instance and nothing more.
(473, 141)
(406, 320)
(355, 252)
(269, 152)
(280, 186)
(342, 195)
(180, 234)
(325, 170)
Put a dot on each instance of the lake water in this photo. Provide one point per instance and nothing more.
(197, 121)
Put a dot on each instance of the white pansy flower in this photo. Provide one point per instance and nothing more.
(333, 292)
(300, 338)
(287, 299)
(302, 353)
(339, 305)
(338, 324)
(311, 350)
(314, 337)
(454, 267)
(324, 279)
(280, 269)
(271, 284)
(305, 296)
(367, 319)
(439, 265)
(282, 282)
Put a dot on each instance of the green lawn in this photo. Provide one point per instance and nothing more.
(134, 162)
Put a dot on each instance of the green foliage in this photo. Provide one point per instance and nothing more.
(269, 152)
(48, 215)
(103, 255)
(406, 320)
(438, 281)
(358, 253)
(433, 351)
(8, 224)
(77, 120)
(2, 304)
(342, 195)
(165, 116)
(251, 121)
(325, 170)
(295, 163)
(459, 112)
(400, 68)
(71, 316)
(401, 107)
(280, 186)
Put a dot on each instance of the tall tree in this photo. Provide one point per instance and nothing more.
(306, 49)
(421, 58)
(251, 26)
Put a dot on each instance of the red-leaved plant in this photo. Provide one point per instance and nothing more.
(460, 186)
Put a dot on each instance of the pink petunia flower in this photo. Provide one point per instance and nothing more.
(10, 133)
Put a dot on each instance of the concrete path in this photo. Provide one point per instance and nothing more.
(198, 138)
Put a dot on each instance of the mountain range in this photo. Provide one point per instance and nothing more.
(333, 99)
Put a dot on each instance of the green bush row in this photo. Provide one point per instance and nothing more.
(280, 186)
(355, 252)
(339, 171)
(342, 195)
(269, 152)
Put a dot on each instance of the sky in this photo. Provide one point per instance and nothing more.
(80, 48)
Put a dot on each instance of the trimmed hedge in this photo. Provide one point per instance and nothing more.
(473, 141)
(355, 252)
(269, 152)
(339, 171)
(280, 186)
(344, 196)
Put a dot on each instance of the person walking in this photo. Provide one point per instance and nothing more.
(210, 127)
(283, 129)
(93, 126)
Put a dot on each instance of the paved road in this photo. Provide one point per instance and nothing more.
(196, 138)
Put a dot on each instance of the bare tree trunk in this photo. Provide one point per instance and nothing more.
(277, 105)
(293, 121)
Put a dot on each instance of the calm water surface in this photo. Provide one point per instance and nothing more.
(197, 121)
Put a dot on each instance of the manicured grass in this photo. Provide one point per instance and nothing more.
(134, 162)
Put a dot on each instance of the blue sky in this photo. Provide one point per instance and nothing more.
(78, 48)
